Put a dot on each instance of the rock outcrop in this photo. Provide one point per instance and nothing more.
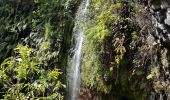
(160, 10)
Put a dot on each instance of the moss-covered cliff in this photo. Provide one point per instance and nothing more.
(123, 58)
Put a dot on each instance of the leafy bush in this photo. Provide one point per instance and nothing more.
(24, 77)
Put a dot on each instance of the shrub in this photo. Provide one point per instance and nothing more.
(24, 77)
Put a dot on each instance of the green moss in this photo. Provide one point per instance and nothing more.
(97, 29)
(108, 65)
(134, 35)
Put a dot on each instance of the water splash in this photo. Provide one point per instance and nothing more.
(76, 61)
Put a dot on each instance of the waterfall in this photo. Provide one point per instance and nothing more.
(74, 75)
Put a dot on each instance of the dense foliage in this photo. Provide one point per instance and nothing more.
(31, 70)
(25, 77)
(121, 58)
(113, 61)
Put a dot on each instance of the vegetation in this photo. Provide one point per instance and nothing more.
(114, 42)
(121, 58)
(25, 76)
(33, 70)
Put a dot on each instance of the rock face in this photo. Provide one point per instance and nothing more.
(160, 10)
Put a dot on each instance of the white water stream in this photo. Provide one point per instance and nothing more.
(74, 84)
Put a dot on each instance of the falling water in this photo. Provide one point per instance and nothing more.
(76, 61)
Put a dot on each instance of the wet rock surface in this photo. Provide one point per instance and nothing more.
(160, 10)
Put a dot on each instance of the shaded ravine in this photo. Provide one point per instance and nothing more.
(74, 73)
